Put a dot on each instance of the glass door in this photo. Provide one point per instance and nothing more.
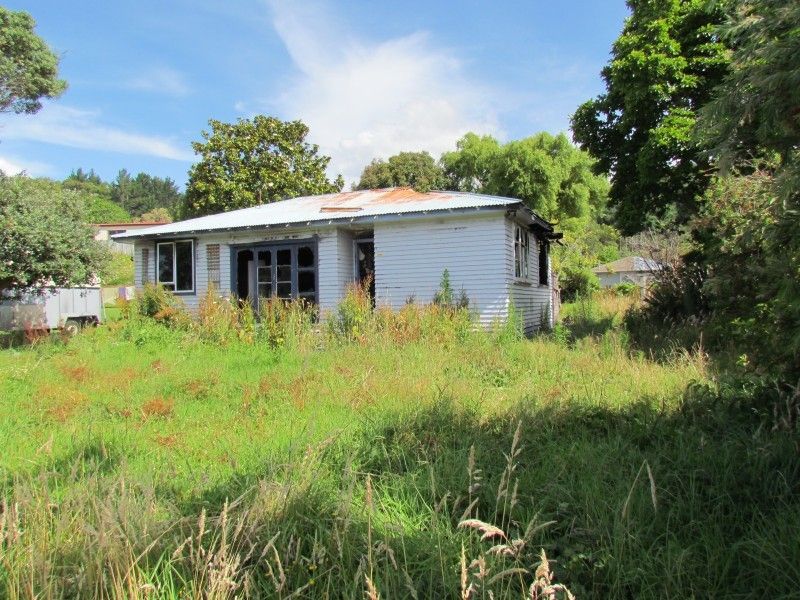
(264, 274)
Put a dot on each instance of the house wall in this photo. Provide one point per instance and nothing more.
(334, 261)
(411, 256)
(533, 302)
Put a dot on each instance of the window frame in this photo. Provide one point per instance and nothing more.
(174, 282)
(522, 250)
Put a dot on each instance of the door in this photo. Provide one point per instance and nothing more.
(365, 265)
(279, 271)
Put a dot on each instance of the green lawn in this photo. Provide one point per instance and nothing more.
(140, 461)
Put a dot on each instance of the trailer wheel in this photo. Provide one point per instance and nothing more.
(72, 327)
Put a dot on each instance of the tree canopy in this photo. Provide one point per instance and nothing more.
(254, 161)
(28, 68)
(145, 193)
(663, 67)
(418, 170)
(756, 109)
(45, 238)
(549, 173)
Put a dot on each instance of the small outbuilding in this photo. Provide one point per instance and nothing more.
(496, 249)
(631, 269)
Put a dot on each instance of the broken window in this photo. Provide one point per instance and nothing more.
(544, 266)
(521, 251)
(175, 262)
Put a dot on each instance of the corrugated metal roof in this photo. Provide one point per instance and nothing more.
(330, 207)
(628, 264)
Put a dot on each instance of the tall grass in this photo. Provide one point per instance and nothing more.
(409, 456)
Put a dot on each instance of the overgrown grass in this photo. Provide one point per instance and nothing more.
(196, 461)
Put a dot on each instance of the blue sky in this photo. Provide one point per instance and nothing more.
(369, 78)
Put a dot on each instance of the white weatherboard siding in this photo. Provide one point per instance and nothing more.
(533, 302)
(335, 267)
(411, 257)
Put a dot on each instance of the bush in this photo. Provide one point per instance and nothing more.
(626, 289)
(159, 304)
(577, 281)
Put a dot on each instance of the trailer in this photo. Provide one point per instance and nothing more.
(68, 309)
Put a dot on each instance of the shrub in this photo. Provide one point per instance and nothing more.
(353, 315)
(281, 322)
(626, 289)
(159, 304)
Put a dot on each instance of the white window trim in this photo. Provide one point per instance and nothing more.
(174, 281)
(523, 246)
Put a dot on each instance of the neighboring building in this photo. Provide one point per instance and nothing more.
(496, 249)
(104, 231)
(631, 269)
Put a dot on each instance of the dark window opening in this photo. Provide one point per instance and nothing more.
(365, 265)
(544, 267)
(244, 259)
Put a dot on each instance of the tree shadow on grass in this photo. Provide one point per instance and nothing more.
(639, 497)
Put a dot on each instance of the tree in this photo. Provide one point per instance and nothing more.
(28, 68)
(252, 162)
(552, 176)
(756, 109)
(95, 194)
(413, 169)
(145, 193)
(44, 236)
(747, 230)
(664, 66)
(157, 215)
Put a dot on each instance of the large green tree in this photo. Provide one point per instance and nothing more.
(663, 68)
(145, 193)
(756, 110)
(28, 68)
(95, 195)
(45, 238)
(549, 173)
(254, 161)
(747, 230)
(413, 169)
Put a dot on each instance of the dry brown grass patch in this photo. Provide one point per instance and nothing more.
(167, 441)
(158, 407)
(70, 402)
(76, 373)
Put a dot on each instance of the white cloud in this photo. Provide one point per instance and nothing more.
(363, 100)
(13, 166)
(65, 126)
(163, 80)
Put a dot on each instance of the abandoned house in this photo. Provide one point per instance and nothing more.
(495, 249)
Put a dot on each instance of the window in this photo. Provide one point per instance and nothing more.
(212, 265)
(521, 248)
(544, 267)
(175, 262)
(145, 265)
